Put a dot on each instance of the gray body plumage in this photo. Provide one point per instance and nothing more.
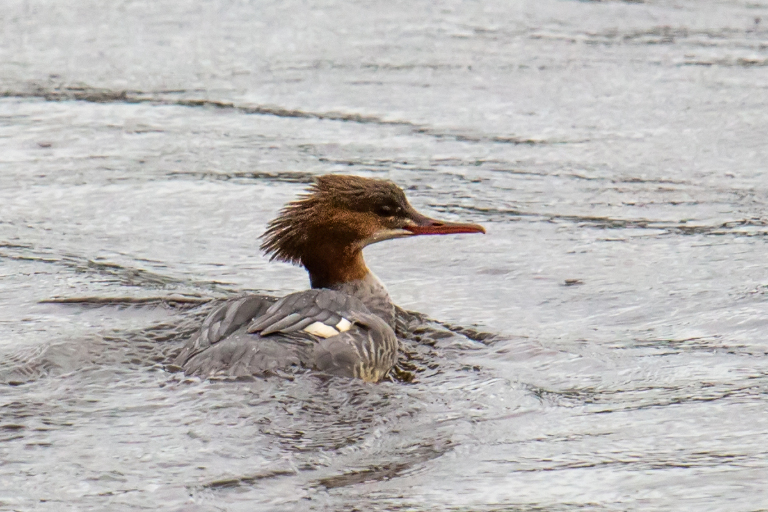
(259, 335)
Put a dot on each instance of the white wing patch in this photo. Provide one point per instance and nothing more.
(343, 325)
(326, 331)
(321, 330)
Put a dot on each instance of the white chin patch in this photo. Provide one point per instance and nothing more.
(385, 234)
(322, 330)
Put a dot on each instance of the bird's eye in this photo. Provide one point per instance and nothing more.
(387, 210)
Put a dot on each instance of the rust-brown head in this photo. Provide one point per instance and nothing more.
(326, 229)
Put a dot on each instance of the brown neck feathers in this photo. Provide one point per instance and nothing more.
(330, 266)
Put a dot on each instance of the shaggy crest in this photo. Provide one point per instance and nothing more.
(287, 236)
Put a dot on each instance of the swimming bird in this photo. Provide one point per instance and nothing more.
(345, 324)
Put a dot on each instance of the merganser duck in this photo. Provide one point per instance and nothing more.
(345, 324)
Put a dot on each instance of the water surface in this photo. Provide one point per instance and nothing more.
(603, 347)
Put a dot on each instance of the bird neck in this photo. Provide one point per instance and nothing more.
(371, 292)
(330, 265)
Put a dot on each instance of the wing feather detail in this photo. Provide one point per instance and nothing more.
(321, 329)
(317, 312)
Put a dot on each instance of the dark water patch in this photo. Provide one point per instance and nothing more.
(97, 95)
(356, 163)
(248, 480)
(472, 333)
(130, 276)
(694, 344)
(283, 112)
(10, 438)
(658, 460)
(607, 222)
(657, 181)
(32, 416)
(248, 176)
(559, 398)
(113, 272)
(759, 292)
(726, 37)
(753, 227)
(375, 165)
(171, 301)
(464, 137)
(381, 66)
(741, 62)
(612, 1)
(381, 472)
(485, 212)
(9, 245)
(642, 397)
(498, 167)
(12, 426)
(666, 34)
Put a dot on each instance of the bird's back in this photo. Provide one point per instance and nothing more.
(320, 329)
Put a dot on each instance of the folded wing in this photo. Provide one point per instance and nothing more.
(321, 329)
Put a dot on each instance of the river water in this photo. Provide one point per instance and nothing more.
(603, 347)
